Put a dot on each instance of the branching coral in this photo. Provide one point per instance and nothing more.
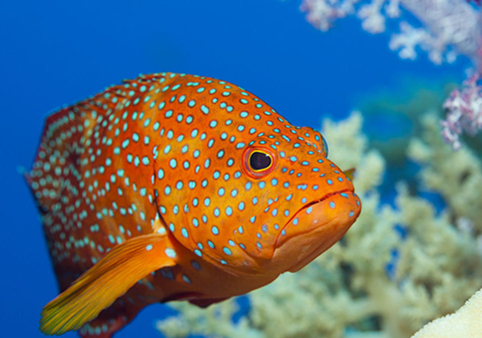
(378, 281)
(464, 323)
(449, 27)
(456, 176)
(464, 112)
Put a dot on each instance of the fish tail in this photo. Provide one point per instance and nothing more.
(62, 151)
(57, 158)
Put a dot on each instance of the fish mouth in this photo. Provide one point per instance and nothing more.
(315, 227)
(312, 203)
(325, 197)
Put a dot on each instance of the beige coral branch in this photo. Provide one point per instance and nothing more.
(465, 323)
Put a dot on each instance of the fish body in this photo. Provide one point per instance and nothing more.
(178, 187)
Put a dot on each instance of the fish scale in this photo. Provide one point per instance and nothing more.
(196, 177)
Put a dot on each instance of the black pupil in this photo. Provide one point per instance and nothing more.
(259, 161)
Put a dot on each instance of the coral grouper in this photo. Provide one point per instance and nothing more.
(178, 187)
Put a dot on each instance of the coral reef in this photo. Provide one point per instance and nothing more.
(464, 112)
(402, 264)
(448, 27)
(464, 323)
(399, 267)
(457, 177)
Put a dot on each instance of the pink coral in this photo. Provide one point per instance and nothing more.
(464, 112)
(448, 28)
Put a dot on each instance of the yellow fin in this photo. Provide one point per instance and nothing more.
(107, 280)
(349, 173)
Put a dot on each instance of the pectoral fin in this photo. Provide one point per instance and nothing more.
(107, 280)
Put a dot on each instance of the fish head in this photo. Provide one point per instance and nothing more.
(308, 202)
(244, 189)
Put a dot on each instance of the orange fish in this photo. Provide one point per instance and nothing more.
(178, 187)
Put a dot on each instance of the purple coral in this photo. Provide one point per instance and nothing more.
(449, 28)
(464, 112)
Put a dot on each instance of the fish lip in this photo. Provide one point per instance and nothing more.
(322, 244)
(307, 205)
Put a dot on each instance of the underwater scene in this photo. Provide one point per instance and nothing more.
(242, 168)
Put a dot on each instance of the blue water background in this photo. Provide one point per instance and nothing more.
(57, 52)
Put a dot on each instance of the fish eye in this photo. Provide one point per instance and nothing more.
(259, 162)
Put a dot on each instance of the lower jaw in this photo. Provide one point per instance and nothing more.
(325, 245)
(319, 230)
